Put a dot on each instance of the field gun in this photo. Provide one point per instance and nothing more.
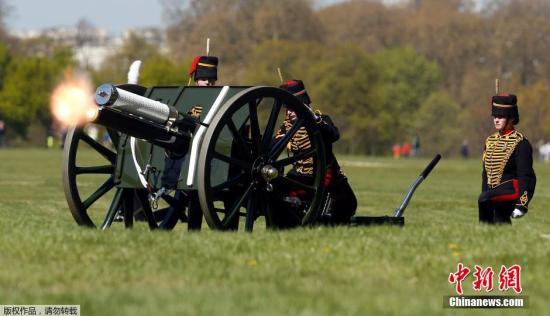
(169, 165)
(176, 153)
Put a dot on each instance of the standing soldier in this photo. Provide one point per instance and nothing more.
(508, 178)
(335, 181)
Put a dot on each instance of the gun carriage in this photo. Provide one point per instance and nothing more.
(226, 164)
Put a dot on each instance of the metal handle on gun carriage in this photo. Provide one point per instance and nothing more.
(423, 175)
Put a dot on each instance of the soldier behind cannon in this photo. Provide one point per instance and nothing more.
(204, 72)
(340, 196)
(508, 178)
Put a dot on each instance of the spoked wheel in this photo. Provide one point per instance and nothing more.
(96, 172)
(243, 160)
(93, 197)
(90, 188)
(178, 206)
(172, 204)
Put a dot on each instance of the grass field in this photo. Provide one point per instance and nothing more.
(45, 258)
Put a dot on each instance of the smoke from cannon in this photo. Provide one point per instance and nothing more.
(72, 101)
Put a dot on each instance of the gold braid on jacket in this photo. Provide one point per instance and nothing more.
(498, 149)
(299, 142)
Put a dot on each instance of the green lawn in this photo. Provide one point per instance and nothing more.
(45, 258)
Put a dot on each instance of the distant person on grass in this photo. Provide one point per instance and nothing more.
(2, 133)
(396, 151)
(508, 178)
(416, 146)
(406, 150)
(464, 149)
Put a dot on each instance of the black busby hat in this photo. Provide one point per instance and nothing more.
(505, 105)
(297, 88)
(204, 67)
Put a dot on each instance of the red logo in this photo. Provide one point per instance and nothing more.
(458, 277)
(508, 278)
(484, 279)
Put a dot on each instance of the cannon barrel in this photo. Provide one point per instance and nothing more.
(143, 118)
(124, 101)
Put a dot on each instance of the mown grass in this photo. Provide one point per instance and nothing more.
(45, 258)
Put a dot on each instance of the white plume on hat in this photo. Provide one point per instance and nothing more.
(133, 72)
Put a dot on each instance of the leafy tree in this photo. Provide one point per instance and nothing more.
(5, 9)
(451, 35)
(5, 58)
(235, 27)
(159, 70)
(437, 123)
(369, 24)
(341, 81)
(407, 80)
(115, 67)
(534, 112)
(296, 60)
(286, 20)
(519, 41)
(26, 91)
(346, 84)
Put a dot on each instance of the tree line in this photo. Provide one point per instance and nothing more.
(385, 74)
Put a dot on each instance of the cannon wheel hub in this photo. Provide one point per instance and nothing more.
(269, 173)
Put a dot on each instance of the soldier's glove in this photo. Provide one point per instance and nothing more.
(318, 117)
(517, 213)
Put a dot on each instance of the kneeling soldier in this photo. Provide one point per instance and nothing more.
(508, 178)
(336, 183)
